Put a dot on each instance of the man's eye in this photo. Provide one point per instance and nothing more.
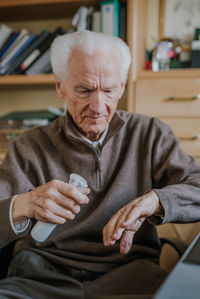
(85, 91)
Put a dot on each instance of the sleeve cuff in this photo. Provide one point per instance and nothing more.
(21, 228)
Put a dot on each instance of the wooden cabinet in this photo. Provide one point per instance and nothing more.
(173, 96)
(176, 102)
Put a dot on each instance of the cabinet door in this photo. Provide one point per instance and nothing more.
(188, 131)
(168, 97)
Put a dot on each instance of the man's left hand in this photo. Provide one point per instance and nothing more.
(126, 222)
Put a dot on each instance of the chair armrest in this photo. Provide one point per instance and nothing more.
(178, 244)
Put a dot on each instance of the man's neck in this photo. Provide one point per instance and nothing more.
(91, 135)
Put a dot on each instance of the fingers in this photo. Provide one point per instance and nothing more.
(57, 201)
(47, 216)
(126, 241)
(123, 225)
(73, 192)
(115, 227)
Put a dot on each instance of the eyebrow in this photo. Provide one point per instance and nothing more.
(84, 86)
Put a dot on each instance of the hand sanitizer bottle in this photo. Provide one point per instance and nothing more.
(42, 230)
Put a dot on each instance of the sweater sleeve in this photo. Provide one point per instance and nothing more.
(176, 178)
(14, 179)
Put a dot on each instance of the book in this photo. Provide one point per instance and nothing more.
(22, 33)
(89, 18)
(96, 21)
(5, 31)
(15, 50)
(11, 39)
(39, 50)
(27, 119)
(19, 60)
(122, 21)
(41, 65)
(23, 43)
(110, 17)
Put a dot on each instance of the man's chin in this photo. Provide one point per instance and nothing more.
(95, 130)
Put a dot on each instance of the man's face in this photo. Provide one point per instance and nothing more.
(92, 90)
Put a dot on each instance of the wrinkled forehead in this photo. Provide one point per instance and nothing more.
(99, 62)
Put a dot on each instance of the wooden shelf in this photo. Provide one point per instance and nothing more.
(27, 80)
(175, 73)
(12, 10)
(11, 3)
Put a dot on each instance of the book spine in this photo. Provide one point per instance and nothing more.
(110, 17)
(29, 60)
(96, 21)
(14, 51)
(4, 69)
(17, 62)
(40, 65)
(5, 31)
(40, 50)
(8, 45)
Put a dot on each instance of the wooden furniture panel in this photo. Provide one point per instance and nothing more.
(188, 131)
(186, 128)
(168, 97)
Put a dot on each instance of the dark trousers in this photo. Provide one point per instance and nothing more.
(32, 276)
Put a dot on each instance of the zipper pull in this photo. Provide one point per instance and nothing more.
(99, 154)
(99, 162)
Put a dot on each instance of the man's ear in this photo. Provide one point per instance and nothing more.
(59, 89)
(122, 89)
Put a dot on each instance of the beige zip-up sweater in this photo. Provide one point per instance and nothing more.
(138, 154)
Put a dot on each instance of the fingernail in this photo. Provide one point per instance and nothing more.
(77, 209)
(80, 196)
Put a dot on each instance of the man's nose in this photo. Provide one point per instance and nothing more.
(97, 104)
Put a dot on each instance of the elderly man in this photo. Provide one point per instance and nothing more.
(105, 244)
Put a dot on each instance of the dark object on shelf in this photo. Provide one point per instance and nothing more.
(27, 119)
(177, 64)
(195, 59)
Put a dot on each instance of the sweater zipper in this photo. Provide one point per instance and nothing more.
(98, 153)
(99, 156)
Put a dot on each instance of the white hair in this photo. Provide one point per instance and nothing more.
(88, 42)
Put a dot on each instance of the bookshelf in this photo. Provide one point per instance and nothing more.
(23, 92)
(37, 15)
(34, 15)
(27, 80)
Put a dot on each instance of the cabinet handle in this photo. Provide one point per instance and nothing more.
(192, 98)
(197, 137)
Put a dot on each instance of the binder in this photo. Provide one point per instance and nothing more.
(110, 17)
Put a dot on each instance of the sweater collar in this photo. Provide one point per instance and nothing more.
(114, 126)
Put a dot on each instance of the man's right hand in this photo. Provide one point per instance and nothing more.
(55, 202)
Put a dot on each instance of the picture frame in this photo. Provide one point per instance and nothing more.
(179, 19)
